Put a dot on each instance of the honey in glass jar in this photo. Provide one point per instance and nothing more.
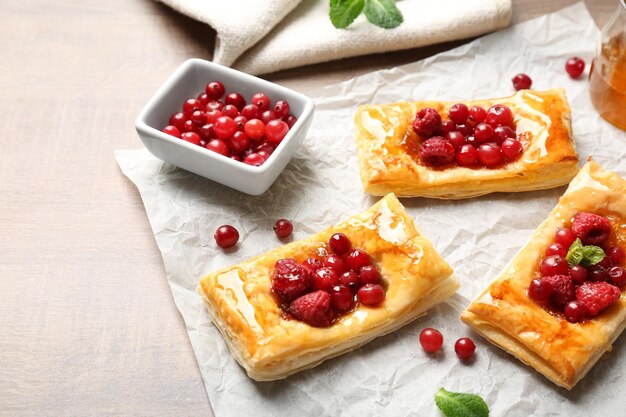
(607, 79)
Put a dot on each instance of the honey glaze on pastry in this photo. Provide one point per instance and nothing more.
(416, 149)
(561, 329)
(270, 343)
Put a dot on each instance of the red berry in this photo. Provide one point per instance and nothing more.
(225, 127)
(291, 280)
(214, 105)
(290, 120)
(255, 129)
(501, 133)
(540, 289)
(269, 115)
(553, 265)
(511, 148)
(521, 82)
(251, 111)
(341, 298)
(325, 279)
(203, 98)
(219, 146)
(236, 158)
(605, 263)
(427, 121)
(562, 289)
(236, 100)
(465, 128)
(556, 249)
(198, 117)
(617, 276)
(336, 263)
(339, 244)
(436, 151)
(371, 294)
(565, 237)
(313, 308)
(239, 142)
(447, 126)
(464, 348)
(431, 339)
(230, 111)
(213, 115)
(578, 274)
(261, 101)
(190, 126)
(350, 279)
(281, 107)
(467, 155)
(172, 130)
(369, 274)
(226, 236)
(574, 311)
(489, 154)
(458, 113)
(276, 130)
(575, 66)
(477, 114)
(499, 115)
(597, 296)
(215, 90)
(596, 273)
(590, 228)
(191, 105)
(207, 132)
(177, 120)
(312, 263)
(254, 159)
(283, 228)
(483, 133)
(241, 122)
(457, 139)
(357, 259)
(616, 254)
(191, 137)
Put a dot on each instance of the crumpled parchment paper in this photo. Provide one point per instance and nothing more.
(390, 376)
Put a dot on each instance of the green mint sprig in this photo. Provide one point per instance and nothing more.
(382, 13)
(584, 255)
(459, 404)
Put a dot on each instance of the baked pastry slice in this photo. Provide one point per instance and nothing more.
(541, 337)
(270, 345)
(388, 161)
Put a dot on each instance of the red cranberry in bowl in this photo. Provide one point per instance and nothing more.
(290, 120)
(172, 130)
(269, 115)
(239, 142)
(230, 111)
(191, 105)
(215, 90)
(191, 137)
(178, 119)
(261, 101)
(225, 127)
(276, 130)
(251, 111)
(254, 159)
(190, 126)
(236, 100)
(281, 107)
(219, 146)
(255, 129)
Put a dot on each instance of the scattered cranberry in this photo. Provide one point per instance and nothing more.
(574, 311)
(226, 236)
(369, 274)
(215, 90)
(578, 274)
(553, 265)
(339, 244)
(341, 298)
(191, 137)
(254, 159)
(431, 339)
(499, 115)
(458, 113)
(565, 237)
(427, 121)
(617, 276)
(336, 263)
(477, 114)
(261, 101)
(219, 146)
(172, 130)
(539, 289)
(357, 259)
(371, 294)
(467, 156)
(464, 348)
(489, 154)
(616, 254)
(283, 228)
(276, 130)
(521, 82)
(575, 66)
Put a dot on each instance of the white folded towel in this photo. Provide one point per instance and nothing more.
(256, 37)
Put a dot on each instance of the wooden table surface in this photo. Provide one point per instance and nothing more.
(87, 321)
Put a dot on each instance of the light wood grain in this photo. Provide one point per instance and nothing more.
(80, 272)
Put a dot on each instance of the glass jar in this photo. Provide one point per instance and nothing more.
(607, 78)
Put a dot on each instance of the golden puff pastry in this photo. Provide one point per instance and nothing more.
(503, 313)
(543, 124)
(269, 346)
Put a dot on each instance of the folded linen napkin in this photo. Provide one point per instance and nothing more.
(265, 37)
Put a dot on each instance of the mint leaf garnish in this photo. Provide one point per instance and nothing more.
(343, 12)
(579, 254)
(458, 404)
(383, 13)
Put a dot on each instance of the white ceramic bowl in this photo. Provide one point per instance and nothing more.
(188, 81)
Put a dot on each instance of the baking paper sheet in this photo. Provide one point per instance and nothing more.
(390, 376)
